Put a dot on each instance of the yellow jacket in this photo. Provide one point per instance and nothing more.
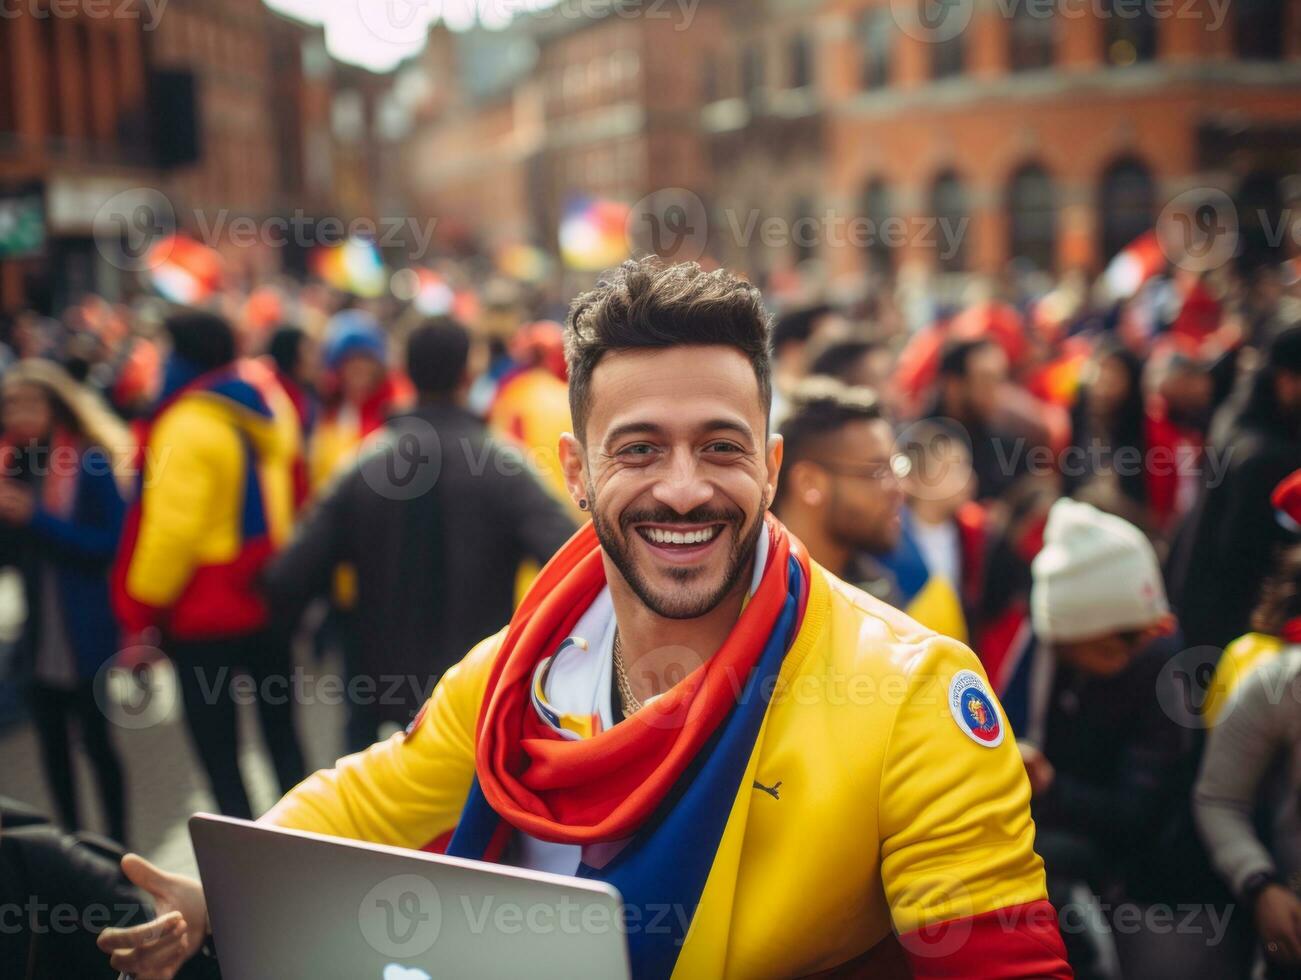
(889, 816)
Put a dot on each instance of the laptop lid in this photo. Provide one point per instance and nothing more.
(290, 904)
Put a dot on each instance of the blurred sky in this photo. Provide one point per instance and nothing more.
(380, 33)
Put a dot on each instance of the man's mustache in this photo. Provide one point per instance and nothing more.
(668, 516)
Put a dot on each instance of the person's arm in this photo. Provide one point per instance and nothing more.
(966, 889)
(540, 523)
(1239, 750)
(409, 790)
(304, 568)
(94, 541)
(406, 792)
(191, 456)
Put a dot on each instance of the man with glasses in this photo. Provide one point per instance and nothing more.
(840, 491)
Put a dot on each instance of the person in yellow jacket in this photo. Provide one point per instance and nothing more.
(215, 502)
(688, 708)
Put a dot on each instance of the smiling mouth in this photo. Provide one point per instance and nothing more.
(692, 537)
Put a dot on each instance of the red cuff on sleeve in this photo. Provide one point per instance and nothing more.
(1019, 941)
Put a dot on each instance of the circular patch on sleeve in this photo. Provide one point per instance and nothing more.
(974, 709)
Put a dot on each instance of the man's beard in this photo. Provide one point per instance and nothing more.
(686, 603)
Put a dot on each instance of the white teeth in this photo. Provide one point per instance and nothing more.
(661, 536)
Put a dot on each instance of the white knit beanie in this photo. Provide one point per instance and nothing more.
(1096, 575)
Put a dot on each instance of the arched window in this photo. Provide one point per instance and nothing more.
(877, 209)
(800, 61)
(805, 233)
(1032, 217)
(1126, 205)
(1259, 29)
(1031, 37)
(949, 208)
(1129, 34)
(948, 56)
(877, 32)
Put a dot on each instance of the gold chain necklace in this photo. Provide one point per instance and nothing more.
(630, 703)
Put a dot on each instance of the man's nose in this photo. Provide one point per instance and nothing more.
(682, 487)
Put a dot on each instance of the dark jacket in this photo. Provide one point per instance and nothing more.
(81, 547)
(436, 517)
(1232, 537)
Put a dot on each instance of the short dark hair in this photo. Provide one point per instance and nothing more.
(205, 340)
(820, 408)
(645, 304)
(839, 358)
(955, 359)
(437, 353)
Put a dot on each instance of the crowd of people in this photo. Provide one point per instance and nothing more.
(1099, 495)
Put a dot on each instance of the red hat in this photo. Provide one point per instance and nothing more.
(1287, 499)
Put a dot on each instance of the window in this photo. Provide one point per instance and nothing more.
(1032, 217)
(876, 42)
(8, 86)
(878, 209)
(1259, 29)
(949, 208)
(1129, 33)
(1032, 37)
(948, 56)
(709, 80)
(1261, 197)
(1126, 205)
(799, 56)
(805, 232)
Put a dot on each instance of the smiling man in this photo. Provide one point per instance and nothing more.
(781, 775)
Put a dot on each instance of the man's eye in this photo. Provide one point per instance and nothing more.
(723, 447)
(637, 449)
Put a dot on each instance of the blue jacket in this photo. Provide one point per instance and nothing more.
(81, 547)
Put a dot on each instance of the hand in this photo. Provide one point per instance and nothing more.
(1038, 768)
(155, 950)
(1278, 920)
(17, 502)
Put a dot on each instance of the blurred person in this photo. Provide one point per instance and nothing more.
(1110, 768)
(794, 333)
(1247, 800)
(1178, 415)
(1108, 438)
(435, 549)
(360, 391)
(61, 514)
(1276, 620)
(860, 363)
(1231, 537)
(626, 724)
(839, 493)
(215, 503)
(531, 404)
(295, 359)
(940, 559)
(970, 379)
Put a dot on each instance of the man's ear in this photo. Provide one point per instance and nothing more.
(573, 465)
(776, 446)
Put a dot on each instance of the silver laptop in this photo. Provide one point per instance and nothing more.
(290, 904)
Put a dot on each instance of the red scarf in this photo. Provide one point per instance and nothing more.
(1292, 630)
(603, 788)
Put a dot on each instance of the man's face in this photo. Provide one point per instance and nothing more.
(864, 495)
(1103, 656)
(983, 384)
(678, 470)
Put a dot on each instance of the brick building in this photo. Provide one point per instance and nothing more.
(74, 132)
